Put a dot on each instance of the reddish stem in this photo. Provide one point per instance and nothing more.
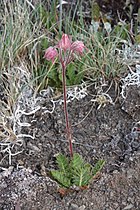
(68, 130)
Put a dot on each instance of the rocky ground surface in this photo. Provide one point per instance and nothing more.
(101, 130)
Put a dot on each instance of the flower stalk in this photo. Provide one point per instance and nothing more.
(66, 49)
(68, 129)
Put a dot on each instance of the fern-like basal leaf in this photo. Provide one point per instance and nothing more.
(81, 175)
(61, 178)
(63, 163)
(80, 171)
(77, 161)
(98, 166)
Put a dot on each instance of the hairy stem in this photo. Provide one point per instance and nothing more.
(68, 129)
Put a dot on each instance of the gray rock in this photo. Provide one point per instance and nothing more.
(130, 206)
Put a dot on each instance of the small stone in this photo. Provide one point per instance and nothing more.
(83, 207)
(74, 207)
(130, 206)
(33, 147)
(130, 173)
(3, 185)
(111, 194)
(7, 172)
(131, 159)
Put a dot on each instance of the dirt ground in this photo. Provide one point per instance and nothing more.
(110, 132)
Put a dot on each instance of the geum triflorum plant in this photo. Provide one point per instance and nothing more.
(73, 171)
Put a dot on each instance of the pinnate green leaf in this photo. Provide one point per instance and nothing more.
(98, 166)
(77, 161)
(61, 177)
(81, 176)
(81, 171)
(63, 163)
(75, 171)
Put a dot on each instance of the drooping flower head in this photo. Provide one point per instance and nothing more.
(78, 47)
(64, 43)
(50, 54)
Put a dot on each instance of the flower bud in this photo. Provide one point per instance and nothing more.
(50, 54)
(65, 42)
(78, 47)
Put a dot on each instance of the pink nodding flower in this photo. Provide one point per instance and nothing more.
(78, 47)
(64, 43)
(50, 54)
